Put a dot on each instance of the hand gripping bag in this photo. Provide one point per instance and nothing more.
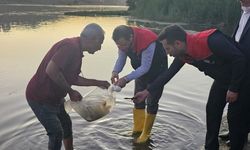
(94, 105)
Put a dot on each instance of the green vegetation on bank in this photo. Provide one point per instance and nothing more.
(223, 12)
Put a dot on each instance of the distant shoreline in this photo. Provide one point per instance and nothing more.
(97, 13)
(61, 9)
(23, 4)
(63, 3)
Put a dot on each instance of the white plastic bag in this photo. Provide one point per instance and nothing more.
(94, 105)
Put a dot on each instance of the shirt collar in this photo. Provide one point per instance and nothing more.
(245, 9)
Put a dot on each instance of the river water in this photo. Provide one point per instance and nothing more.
(24, 40)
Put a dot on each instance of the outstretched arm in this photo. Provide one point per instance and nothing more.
(81, 81)
(167, 75)
(119, 64)
(160, 81)
(146, 61)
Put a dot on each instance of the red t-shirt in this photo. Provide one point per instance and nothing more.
(67, 54)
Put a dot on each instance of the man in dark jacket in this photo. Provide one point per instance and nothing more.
(242, 37)
(217, 56)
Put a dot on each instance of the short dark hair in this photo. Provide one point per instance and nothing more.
(122, 31)
(172, 33)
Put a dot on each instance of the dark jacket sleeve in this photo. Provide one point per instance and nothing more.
(235, 57)
(167, 75)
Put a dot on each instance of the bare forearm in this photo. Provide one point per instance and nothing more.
(57, 76)
(62, 83)
(87, 82)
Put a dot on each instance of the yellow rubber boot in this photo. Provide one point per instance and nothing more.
(148, 124)
(139, 117)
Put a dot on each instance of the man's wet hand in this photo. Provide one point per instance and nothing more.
(114, 77)
(231, 96)
(121, 82)
(75, 95)
(141, 96)
(104, 84)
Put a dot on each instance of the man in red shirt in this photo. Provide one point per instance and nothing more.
(60, 69)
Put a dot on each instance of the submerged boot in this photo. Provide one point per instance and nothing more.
(139, 117)
(148, 124)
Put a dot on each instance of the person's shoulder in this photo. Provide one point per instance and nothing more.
(71, 43)
(70, 40)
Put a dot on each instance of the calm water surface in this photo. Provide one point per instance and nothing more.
(180, 123)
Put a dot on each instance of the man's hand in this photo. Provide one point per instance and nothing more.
(104, 84)
(121, 82)
(75, 95)
(114, 77)
(141, 96)
(231, 96)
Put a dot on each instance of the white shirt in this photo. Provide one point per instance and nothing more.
(243, 21)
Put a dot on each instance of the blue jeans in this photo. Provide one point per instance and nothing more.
(55, 120)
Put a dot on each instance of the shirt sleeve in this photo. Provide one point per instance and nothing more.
(146, 61)
(64, 55)
(166, 76)
(120, 62)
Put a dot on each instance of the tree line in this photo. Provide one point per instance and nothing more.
(215, 12)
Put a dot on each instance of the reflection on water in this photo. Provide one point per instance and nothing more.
(32, 16)
(26, 21)
(180, 122)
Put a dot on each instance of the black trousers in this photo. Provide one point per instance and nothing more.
(237, 117)
(152, 101)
